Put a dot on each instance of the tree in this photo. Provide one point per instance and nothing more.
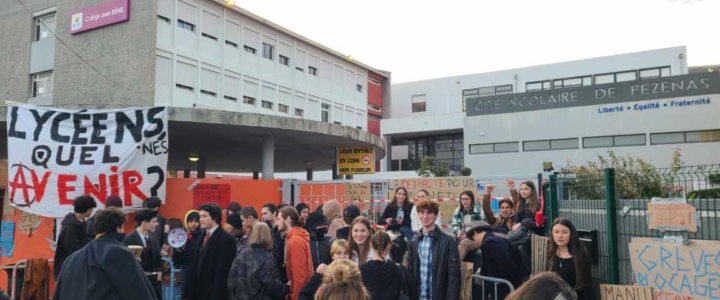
(431, 167)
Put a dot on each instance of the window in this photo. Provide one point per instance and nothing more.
(44, 27)
(604, 78)
(702, 136)
(185, 87)
(268, 51)
(494, 148)
(418, 103)
(550, 145)
(299, 112)
(186, 25)
(249, 100)
(374, 81)
(358, 87)
(267, 104)
(614, 141)
(283, 108)
(284, 60)
(249, 49)
(325, 112)
(654, 73)
(537, 86)
(208, 93)
(164, 19)
(626, 76)
(231, 44)
(209, 36)
(299, 69)
(233, 99)
(312, 71)
(42, 84)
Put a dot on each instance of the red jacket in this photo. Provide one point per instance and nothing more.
(298, 260)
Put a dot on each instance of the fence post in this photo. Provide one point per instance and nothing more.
(612, 234)
(551, 201)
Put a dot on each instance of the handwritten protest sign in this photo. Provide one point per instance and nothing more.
(29, 223)
(677, 271)
(625, 292)
(7, 238)
(440, 187)
(358, 193)
(55, 155)
(211, 193)
(671, 216)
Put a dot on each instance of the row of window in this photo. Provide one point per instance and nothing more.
(598, 142)
(598, 79)
(268, 50)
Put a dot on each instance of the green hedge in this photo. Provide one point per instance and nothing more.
(705, 194)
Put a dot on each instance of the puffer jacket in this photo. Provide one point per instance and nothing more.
(254, 276)
(446, 278)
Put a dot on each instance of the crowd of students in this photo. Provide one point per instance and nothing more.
(331, 253)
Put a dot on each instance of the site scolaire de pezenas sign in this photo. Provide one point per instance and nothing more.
(613, 96)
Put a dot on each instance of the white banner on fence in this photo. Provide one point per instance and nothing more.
(55, 155)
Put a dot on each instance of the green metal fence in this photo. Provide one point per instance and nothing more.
(613, 202)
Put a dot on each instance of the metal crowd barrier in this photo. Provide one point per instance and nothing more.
(22, 264)
(169, 293)
(490, 294)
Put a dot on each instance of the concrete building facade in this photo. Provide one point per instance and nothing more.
(455, 119)
(246, 95)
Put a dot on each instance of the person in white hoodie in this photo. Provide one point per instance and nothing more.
(421, 195)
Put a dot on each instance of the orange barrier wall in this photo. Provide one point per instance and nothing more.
(179, 199)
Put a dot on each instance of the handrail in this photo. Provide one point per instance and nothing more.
(22, 264)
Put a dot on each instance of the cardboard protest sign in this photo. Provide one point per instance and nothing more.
(358, 193)
(677, 271)
(439, 187)
(671, 216)
(56, 155)
(625, 292)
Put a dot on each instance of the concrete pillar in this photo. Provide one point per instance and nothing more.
(309, 176)
(268, 157)
(201, 168)
(186, 173)
(256, 175)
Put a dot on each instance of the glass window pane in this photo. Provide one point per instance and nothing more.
(536, 145)
(630, 140)
(486, 91)
(564, 144)
(651, 73)
(470, 92)
(558, 84)
(481, 148)
(665, 72)
(607, 78)
(507, 147)
(587, 81)
(626, 76)
(503, 89)
(595, 142)
(667, 138)
(546, 85)
(534, 86)
(418, 98)
(709, 136)
(572, 82)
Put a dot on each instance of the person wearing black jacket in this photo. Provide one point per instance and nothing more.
(498, 258)
(319, 240)
(212, 258)
(349, 214)
(73, 231)
(104, 269)
(433, 259)
(152, 264)
(159, 236)
(182, 258)
(340, 249)
(395, 218)
(384, 278)
(111, 201)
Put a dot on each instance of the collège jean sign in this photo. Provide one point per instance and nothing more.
(647, 89)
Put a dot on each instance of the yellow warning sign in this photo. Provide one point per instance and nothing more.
(354, 160)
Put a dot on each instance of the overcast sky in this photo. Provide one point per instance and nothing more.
(428, 39)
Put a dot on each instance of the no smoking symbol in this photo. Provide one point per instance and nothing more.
(366, 160)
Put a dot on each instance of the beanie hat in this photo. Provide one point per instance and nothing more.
(192, 215)
(315, 219)
(113, 201)
(351, 211)
(235, 221)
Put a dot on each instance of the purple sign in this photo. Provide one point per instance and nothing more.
(100, 15)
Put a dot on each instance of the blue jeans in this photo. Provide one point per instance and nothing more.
(407, 232)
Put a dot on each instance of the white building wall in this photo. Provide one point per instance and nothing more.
(444, 95)
(586, 121)
(215, 71)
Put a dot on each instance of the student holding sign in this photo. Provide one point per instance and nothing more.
(568, 258)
